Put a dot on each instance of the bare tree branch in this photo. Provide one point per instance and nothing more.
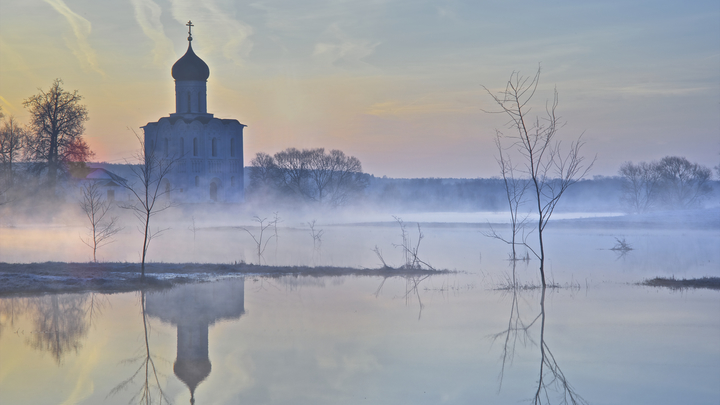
(549, 171)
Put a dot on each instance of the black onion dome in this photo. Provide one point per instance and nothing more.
(190, 67)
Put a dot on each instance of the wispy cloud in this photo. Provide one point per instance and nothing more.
(232, 34)
(342, 50)
(81, 28)
(147, 14)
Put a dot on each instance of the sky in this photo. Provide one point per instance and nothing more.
(396, 83)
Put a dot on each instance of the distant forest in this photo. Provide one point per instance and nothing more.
(598, 194)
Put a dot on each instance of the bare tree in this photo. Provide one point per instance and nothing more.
(641, 186)
(549, 170)
(410, 252)
(276, 221)
(57, 122)
(515, 189)
(684, 184)
(262, 173)
(333, 176)
(292, 171)
(673, 182)
(13, 137)
(193, 228)
(261, 241)
(311, 174)
(147, 192)
(102, 226)
(317, 238)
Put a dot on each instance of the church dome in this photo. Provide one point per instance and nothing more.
(190, 67)
(192, 373)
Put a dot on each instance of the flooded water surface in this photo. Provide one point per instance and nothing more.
(459, 338)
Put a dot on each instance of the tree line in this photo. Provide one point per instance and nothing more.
(673, 182)
(313, 175)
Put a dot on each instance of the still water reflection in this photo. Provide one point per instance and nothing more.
(192, 309)
(306, 340)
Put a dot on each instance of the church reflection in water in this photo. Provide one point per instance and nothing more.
(193, 308)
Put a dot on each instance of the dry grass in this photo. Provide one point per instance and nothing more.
(60, 277)
(711, 283)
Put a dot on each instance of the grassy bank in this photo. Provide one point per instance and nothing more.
(712, 283)
(60, 277)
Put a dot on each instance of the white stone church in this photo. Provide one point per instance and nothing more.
(209, 150)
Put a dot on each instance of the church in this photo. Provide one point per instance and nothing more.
(207, 151)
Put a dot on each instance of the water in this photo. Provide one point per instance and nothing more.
(334, 340)
(444, 339)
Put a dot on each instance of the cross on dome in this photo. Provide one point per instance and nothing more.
(189, 25)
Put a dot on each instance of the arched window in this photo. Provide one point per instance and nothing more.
(188, 109)
(195, 147)
(197, 181)
(232, 181)
(213, 191)
(167, 189)
(166, 143)
(200, 109)
(182, 147)
(232, 147)
(214, 147)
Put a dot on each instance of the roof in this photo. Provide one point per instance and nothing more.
(102, 174)
(190, 67)
(188, 118)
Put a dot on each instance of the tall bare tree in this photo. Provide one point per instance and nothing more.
(57, 122)
(549, 170)
(148, 190)
(102, 226)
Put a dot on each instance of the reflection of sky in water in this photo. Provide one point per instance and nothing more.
(333, 340)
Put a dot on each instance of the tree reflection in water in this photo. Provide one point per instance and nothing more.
(412, 284)
(11, 310)
(150, 389)
(61, 322)
(552, 385)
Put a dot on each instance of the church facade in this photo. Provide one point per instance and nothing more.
(207, 152)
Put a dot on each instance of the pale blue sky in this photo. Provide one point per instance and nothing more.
(395, 83)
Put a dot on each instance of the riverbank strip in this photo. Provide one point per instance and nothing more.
(60, 277)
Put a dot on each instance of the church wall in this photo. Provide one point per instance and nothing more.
(196, 168)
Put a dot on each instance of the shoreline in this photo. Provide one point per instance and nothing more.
(22, 279)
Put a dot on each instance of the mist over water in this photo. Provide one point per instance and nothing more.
(456, 338)
(451, 240)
